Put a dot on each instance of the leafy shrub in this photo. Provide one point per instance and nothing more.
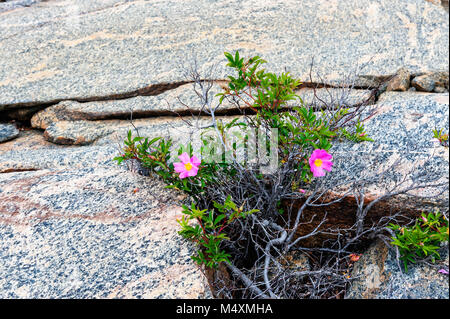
(421, 240)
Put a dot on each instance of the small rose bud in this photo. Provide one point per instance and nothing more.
(435, 140)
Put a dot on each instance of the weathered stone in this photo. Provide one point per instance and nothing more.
(292, 262)
(93, 233)
(28, 139)
(296, 261)
(58, 157)
(378, 276)
(181, 101)
(334, 97)
(22, 114)
(110, 131)
(137, 46)
(402, 130)
(430, 81)
(400, 81)
(32, 151)
(8, 132)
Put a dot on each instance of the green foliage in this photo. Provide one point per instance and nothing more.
(155, 155)
(208, 231)
(443, 138)
(299, 127)
(422, 239)
(358, 136)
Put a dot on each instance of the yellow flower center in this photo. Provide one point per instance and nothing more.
(318, 162)
(188, 166)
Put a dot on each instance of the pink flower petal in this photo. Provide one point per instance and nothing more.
(326, 165)
(193, 171)
(195, 161)
(184, 174)
(184, 158)
(443, 271)
(317, 171)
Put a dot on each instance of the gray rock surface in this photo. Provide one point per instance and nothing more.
(378, 276)
(444, 3)
(15, 4)
(92, 233)
(120, 49)
(8, 132)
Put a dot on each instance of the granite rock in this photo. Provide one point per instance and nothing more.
(431, 82)
(379, 276)
(16, 4)
(50, 157)
(180, 101)
(92, 233)
(444, 3)
(31, 152)
(21, 114)
(121, 49)
(113, 131)
(8, 132)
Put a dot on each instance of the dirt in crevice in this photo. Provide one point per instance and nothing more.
(15, 170)
(341, 216)
(155, 89)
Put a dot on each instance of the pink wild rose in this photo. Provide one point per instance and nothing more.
(319, 161)
(188, 166)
